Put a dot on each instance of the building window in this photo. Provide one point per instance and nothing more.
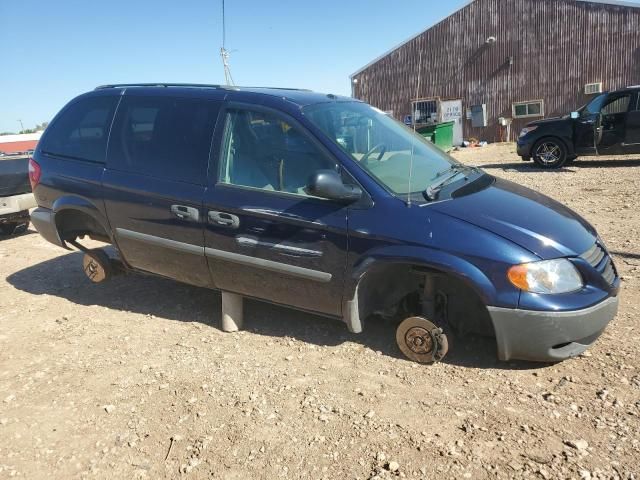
(425, 111)
(534, 108)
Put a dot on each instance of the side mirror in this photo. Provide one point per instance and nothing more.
(575, 115)
(328, 184)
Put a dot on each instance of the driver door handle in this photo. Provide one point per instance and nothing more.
(224, 219)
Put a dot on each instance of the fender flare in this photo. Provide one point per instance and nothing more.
(421, 257)
(74, 203)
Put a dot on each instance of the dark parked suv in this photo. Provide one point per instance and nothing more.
(608, 125)
(324, 204)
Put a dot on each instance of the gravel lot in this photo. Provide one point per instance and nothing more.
(134, 378)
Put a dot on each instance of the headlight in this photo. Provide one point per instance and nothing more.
(546, 277)
(526, 130)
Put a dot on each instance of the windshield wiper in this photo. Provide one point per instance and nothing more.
(432, 191)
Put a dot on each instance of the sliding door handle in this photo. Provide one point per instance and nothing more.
(224, 219)
(185, 213)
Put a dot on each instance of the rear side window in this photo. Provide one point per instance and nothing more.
(81, 132)
(163, 137)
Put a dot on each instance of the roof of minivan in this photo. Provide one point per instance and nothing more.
(300, 97)
(297, 96)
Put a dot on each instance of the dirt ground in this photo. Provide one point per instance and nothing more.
(135, 379)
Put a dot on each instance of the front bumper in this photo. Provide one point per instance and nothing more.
(549, 336)
(524, 147)
(16, 204)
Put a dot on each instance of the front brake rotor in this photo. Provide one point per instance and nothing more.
(421, 341)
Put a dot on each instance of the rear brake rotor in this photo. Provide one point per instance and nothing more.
(421, 341)
(95, 268)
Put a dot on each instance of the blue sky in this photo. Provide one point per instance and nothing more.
(55, 50)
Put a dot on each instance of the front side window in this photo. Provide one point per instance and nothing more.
(261, 150)
(382, 146)
(594, 106)
(163, 137)
(81, 132)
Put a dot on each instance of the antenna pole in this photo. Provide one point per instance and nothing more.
(413, 143)
(224, 29)
(224, 53)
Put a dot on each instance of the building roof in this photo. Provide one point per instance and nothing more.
(619, 3)
(21, 137)
(14, 147)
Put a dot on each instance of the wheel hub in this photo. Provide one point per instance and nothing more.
(419, 340)
(549, 153)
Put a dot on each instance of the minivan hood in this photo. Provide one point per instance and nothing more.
(532, 220)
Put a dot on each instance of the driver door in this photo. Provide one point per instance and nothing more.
(611, 130)
(586, 127)
(265, 237)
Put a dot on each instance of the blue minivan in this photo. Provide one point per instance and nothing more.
(324, 204)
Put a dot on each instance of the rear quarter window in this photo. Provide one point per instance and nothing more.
(163, 137)
(82, 129)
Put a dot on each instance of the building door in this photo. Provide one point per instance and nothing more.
(452, 112)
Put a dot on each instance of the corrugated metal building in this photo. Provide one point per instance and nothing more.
(506, 60)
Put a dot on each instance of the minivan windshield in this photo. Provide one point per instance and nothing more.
(381, 145)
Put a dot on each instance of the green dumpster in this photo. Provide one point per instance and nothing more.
(440, 134)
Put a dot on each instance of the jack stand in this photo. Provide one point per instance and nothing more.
(232, 312)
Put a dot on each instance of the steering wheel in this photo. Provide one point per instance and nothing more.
(383, 149)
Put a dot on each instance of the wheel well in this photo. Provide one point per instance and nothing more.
(397, 291)
(73, 223)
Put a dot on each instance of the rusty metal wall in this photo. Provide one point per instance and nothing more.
(556, 47)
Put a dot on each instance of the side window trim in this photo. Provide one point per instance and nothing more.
(113, 121)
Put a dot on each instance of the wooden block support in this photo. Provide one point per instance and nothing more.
(232, 312)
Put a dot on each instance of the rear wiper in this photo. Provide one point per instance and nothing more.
(432, 191)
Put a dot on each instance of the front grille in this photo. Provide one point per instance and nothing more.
(599, 259)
